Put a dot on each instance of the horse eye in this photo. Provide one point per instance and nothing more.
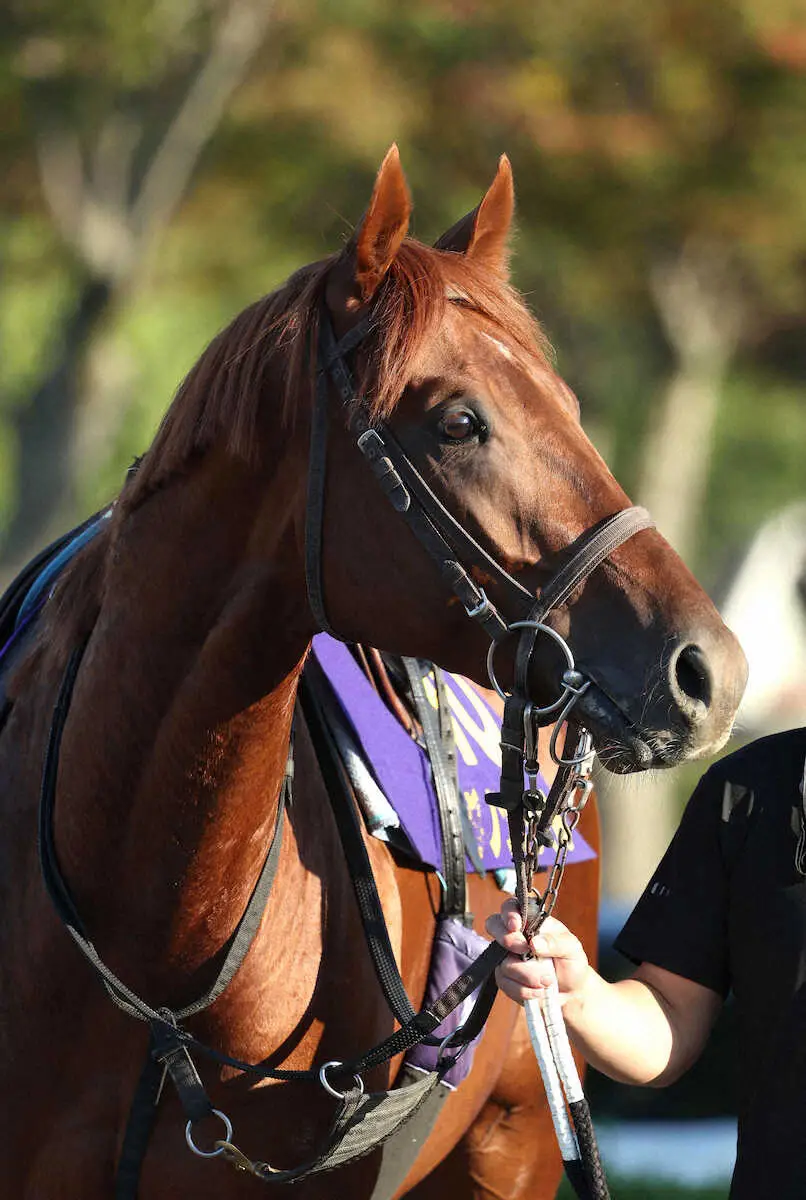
(460, 425)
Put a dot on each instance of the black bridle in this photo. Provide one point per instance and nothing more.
(447, 542)
(455, 553)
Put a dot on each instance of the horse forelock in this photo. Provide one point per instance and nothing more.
(422, 283)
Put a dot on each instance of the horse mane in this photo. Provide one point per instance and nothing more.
(273, 341)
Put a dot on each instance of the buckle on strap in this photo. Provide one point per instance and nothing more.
(482, 609)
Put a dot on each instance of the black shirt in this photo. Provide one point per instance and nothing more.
(727, 908)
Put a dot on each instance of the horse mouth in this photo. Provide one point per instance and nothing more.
(622, 747)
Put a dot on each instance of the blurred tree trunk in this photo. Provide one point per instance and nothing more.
(111, 201)
(699, 304)
(45, 430)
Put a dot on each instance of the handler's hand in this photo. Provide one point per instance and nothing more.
(524, 980)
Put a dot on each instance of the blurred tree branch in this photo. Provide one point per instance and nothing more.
(236, 39)
(698, 299)
(111, 195)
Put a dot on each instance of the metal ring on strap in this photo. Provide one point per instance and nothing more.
(219, 1148)
(445, 1044)
(539, 627)
(328, 1088)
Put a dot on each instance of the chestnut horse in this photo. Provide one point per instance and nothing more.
(197, 619)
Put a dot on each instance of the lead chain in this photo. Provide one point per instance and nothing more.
(569, 819)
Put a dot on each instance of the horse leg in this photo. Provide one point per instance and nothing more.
(508, 1152)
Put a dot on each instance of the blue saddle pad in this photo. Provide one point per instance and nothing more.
(24, 597)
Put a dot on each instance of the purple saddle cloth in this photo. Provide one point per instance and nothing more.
(402, 770)
(455, 948)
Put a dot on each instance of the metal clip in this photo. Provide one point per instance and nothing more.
(534, 799)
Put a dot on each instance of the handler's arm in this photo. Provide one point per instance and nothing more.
(647, 1030)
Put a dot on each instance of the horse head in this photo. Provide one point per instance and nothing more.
(458, 371)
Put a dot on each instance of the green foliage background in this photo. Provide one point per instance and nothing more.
(631, 128)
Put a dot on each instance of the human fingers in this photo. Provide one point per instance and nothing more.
(499, 926)
(511, 915)
(523, 980)
(556, 941)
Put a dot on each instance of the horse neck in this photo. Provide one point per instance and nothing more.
(176, 744)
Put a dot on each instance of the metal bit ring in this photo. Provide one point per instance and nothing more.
(539, 627)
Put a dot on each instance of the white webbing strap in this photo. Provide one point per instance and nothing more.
(566, 1138)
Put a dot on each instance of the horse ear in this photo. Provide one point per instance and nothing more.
(483, 234)
(375, 243)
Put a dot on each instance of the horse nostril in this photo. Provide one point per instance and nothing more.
(693, 676)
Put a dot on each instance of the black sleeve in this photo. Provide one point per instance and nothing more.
(680, 922)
